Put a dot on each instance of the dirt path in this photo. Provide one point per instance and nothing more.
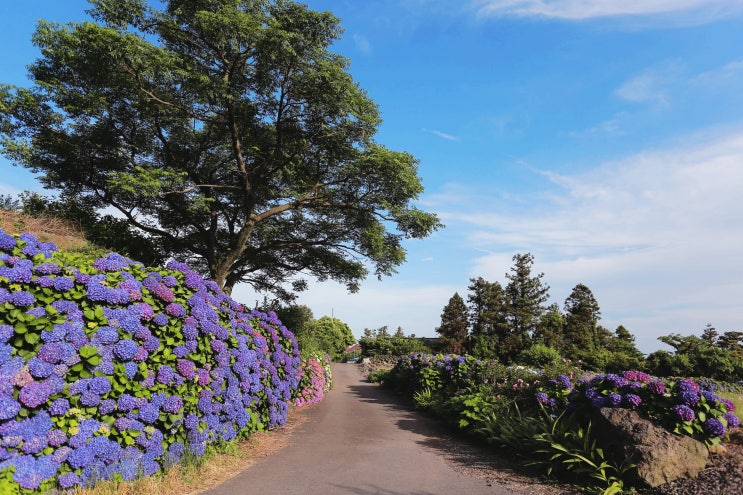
(360, 440)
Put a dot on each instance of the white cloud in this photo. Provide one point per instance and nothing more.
(442, 135)
(609, 127)
(589, 9)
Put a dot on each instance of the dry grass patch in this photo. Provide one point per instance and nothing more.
(46, 228)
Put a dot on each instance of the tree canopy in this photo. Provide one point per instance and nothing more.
(224, 130)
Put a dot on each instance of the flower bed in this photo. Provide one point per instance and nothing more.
(112, 370)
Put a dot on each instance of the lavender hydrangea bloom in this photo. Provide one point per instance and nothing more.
(165, 374)
(686, 385)
(160, 319)
(6, 332)
(111, 263)
(39, 368)
(34, 394)
(172, 404)
(69, 480)
(59, 407)
(175, 309)
(186, 368)
(107, 335)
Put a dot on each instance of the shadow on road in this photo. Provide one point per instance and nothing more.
(437, 436)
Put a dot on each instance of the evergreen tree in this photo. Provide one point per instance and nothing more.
(582, 315)
(526, 295)
(453, 329)
(488, 315)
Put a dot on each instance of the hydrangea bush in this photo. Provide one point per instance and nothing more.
(109, 369)
(682, 405)
(466, 389)
(316, 380)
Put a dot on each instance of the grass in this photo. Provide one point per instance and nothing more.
(737, 398)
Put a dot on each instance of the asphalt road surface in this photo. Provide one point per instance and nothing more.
(358, 440)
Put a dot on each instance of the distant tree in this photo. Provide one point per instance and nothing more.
(526, 295)
(732, 341)
(227, 132)
(332, 336)
(710, 335)
(488, 317)
(453, 329)
(399, 333)
(582, 315)
(550, 328)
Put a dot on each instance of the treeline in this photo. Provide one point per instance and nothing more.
(511, 323)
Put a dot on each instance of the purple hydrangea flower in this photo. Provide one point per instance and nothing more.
(34, 394)
(541, 397)
(69, 480)
(160, 319)
(39, 368)
(100, 385)
(186, 368)
(175, 309)
(686, 385)
(683, 412)
(113, 262)
(688, 398)
(731, 419)
(729, 405)
(714, 427)
(614, 400)
(632, 400)
(6, 332)
(149, 413)
(656, 388)
(165, 374)
(173, 404)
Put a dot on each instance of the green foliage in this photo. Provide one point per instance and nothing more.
(226, 133)
(539, 356)
(392, 346)
(331, 336)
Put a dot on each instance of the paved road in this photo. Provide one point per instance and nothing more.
(357, 441)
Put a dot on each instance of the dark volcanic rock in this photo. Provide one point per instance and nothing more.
(659, 455)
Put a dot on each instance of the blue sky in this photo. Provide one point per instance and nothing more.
(604, 137)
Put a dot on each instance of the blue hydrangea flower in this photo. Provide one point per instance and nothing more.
(9, 407)
(21, 299)
(632, 400)
(125, 349)
(62, 284)
(731, 419)
(7, 242)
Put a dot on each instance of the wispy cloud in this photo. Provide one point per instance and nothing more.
(653, 85)
(731, 72)
(362, 43)
(609, 127)
(589, 9)
(442, 135)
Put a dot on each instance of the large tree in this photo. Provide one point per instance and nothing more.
(453, 329)
(227, 131)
